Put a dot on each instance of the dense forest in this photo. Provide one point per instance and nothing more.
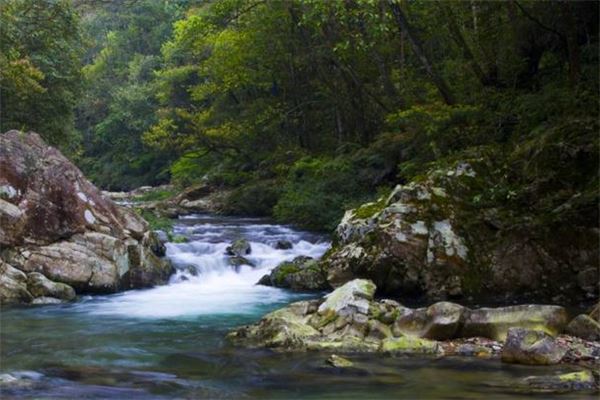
(305, 108)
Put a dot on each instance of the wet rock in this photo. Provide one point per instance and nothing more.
(409, 345)
(440, 321)
(567, 382)
(239, 248)
(525, 346)
(494, 323)
(300, 274)
(285, 328)
(283, 245)
(40, 286)
(53, 221)
(13, 285)
(585, 327)
(237, 262)
(339, 362)
(47, 300)
(265, 280)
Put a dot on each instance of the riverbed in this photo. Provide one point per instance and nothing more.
(168, 341)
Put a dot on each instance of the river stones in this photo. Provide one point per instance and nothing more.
(339, 362)
(40, 286)
(585, 327)
(54, 222)
(239, 248)
(560, 383)
(494, 323)
(409, 345)
(283, 245)
(301, 274)
(526, 346)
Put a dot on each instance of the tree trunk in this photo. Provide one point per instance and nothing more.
(415, 42)
(572, 43)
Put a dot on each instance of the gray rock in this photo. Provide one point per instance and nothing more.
(283, 245)
(47, 300)
(239, 248)
(525, 346)
(13, 285)
(56, 223)
(40, 286)
(353, 297)
(585, 327)
(567, 382)
(300, 274)
(339, 362)
(494, 323)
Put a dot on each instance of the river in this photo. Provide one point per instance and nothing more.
(168, 341)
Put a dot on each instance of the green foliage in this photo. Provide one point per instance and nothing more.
(40, 62)
(157, 223)
(317, 191)
(254, 198)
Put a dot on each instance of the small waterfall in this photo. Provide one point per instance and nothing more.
(205, 281)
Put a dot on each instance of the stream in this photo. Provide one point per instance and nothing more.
(168, 341)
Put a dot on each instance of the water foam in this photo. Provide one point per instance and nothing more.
(205, 282)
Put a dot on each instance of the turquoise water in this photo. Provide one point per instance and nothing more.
(168, 342)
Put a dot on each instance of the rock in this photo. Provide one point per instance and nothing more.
(237, 262)
(432, 237)
(525, 346)
(13, 285)
(409, 345)
(265, 280)
(285, 328)
(494, 323)
(54, 222)
(350, 298)
(440, 321)
(283, 245)
(40, 286)
(47, 300)
(595, 312)
(585, 327)
(339, 362)
(567, 382)
(300, 274)
(239, 248)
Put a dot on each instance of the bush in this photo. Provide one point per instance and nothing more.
(254, 198)
(318, 191)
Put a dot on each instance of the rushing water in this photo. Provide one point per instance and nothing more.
(168, 342)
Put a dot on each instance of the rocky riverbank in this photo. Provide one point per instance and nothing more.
(60, 236)
(350, 320)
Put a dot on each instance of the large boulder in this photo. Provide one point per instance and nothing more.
(300, 274)
(436, 237)
(526, 346)
(60, 229)
(494, 323)
(239, 248)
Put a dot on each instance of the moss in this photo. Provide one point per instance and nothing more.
(157, 223)
(284, 270)
(370, 209)
(179, 239)
(577, 377)
(409, 345)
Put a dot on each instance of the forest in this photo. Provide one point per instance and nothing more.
(299, 199)
(313, 106)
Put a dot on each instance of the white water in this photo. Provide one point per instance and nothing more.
(217, 287)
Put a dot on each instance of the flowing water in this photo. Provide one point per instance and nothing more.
(168, 342)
